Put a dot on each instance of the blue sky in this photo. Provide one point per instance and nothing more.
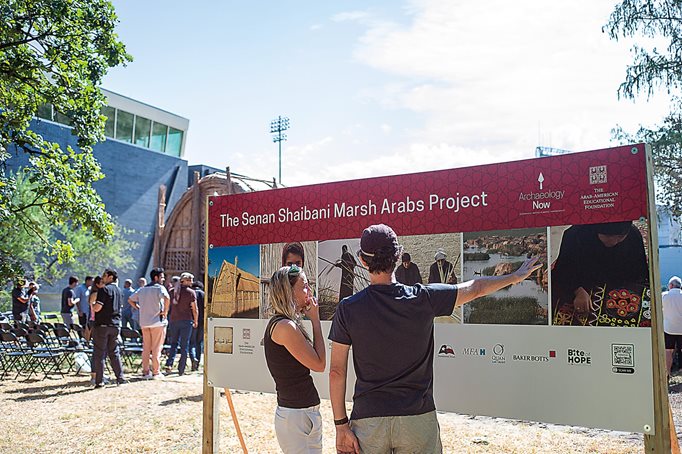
(248, 258)
(377, 87)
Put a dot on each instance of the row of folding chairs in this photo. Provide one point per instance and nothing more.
(28, 348)
(29, 354)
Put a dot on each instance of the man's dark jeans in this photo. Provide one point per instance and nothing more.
(180, 332)
(196, 344)
(105, 339)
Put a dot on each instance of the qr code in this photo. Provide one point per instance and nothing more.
(623, 355)
(246, 333)
(598, 175)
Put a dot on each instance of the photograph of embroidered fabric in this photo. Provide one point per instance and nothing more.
(600, 275)
(610, 307)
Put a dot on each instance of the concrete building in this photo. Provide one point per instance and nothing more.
(144, 149)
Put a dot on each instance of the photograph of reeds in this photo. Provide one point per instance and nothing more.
(275, 256)
(340, 274)
(495, 253)
(432, 259)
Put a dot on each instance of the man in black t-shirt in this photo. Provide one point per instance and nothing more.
(19, 302)
(390, 326)
(69, 300)
(107, 327)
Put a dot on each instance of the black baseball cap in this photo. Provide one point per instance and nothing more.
(377, 237)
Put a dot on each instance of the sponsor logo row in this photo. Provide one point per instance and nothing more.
(622, 356)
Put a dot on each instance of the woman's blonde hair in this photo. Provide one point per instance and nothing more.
(281, 298)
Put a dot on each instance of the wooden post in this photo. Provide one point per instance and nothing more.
(660, 441)
(210, 438)
(196, 239)
(160, 227)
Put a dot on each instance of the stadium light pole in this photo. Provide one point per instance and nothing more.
(277, 126)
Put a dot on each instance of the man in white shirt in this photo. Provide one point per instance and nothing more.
(672, 319)
(152, 301)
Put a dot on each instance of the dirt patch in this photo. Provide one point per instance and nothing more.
(59, 416)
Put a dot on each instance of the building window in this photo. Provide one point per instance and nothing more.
(124, 126)
(159, 133)
(143, 127)
(61, 118)
(109, 126)
(45, 111)
(174, 145)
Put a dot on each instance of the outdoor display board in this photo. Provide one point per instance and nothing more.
(525, 352)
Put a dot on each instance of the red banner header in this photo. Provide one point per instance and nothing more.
(582, 188)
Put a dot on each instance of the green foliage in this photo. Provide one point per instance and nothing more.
(5, 301)
(505, 311)
(54, 52)
(49, 252)
(655, 69)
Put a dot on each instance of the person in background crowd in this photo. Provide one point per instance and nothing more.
(127, 310)
(196, 344)
(69, 300)
(184, 316)
(390, 328)
(19, 301)
(107, 328)
(408, 273)
(141, 283)
(442, 271)
(97, 284)
(33, 302)
(672, 320)
(293, 254)
(82, 292)
(290, 355)
(152, 302)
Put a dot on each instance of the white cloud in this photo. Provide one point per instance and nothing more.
(496, 77)
(315, 27)
(351, 16)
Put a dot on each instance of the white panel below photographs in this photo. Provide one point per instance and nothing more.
(541, 388)
(246, 369)
(529, 386)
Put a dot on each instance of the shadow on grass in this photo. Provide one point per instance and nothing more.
(197, 398)
(38, 389)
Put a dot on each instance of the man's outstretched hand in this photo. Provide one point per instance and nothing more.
(528, 267)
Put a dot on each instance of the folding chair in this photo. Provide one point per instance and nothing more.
(14, 354)
(131, 348)
(66, 343)
(44, 356)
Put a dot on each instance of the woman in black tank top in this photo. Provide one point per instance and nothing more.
(291, 355)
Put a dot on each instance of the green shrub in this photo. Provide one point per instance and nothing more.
(504, 311)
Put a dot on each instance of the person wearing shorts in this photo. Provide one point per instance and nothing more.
(672, 320)
(390, 327)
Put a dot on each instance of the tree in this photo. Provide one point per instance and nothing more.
(35, 252)
(655, 69)
(53, 52)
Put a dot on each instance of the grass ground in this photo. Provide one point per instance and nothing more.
(67, 415)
